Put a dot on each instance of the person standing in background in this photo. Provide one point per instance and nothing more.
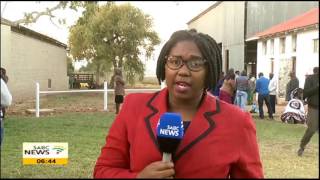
(272, 92)
(3, 74)
(6, 100)
(263, 95)
(311, 93)
(292, 84)
(237, 73)
(242, 87)
(118, 89)
(252, 88)
(5, 78)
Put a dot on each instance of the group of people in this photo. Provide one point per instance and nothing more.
(239, 89)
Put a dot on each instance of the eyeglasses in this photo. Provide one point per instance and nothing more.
(194, 64)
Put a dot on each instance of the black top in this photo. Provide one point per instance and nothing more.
(186, 125)
(311, 90)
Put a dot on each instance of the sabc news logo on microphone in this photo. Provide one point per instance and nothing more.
(170, 131)
(45, 153)
(170, 126)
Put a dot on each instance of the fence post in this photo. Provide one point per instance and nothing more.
(105, 102)
(37, 99)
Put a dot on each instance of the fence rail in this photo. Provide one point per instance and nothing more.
(105, 90)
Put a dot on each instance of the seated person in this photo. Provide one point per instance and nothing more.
(254, 108)
(294, 112)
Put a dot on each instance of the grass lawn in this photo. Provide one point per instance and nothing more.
(85, 134)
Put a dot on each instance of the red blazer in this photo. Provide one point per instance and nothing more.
(219, 143)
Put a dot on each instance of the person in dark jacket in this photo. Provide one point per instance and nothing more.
(311, 93)
(292, 84)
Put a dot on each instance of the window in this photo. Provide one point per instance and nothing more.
(272, 47)
(264, 47)
(294, 43)
(316, 45)
(282, 45)
(49, 83)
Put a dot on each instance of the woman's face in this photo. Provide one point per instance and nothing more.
(182, 83)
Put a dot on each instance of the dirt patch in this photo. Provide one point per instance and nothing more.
(60, 103)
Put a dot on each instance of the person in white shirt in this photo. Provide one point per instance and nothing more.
(272, 92)
(6, 100)
(6, 97)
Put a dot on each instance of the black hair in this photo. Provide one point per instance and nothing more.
(297, 93)
(271, 75)
(243, 73)
(230, 74)
(208, 48)
(260, 74)
(3, 75)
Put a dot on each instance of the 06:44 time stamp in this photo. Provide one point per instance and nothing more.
(46, 161)
(57, 161)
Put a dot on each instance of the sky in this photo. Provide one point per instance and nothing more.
(168, 17)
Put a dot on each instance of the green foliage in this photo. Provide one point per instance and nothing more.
(133, 69)
(114, 36)
(70, 67)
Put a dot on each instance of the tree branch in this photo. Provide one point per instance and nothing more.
(34, 16)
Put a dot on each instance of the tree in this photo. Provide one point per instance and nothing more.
(114, 36)
(70, 67)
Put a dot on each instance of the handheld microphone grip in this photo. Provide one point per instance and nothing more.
(166, 157)
(169, 134)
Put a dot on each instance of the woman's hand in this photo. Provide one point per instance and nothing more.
(158, 169)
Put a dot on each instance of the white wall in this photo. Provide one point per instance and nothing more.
(263, 61)
(306, 59)
(225, 24)
(209, 22)
(29, 60)
(5, 45)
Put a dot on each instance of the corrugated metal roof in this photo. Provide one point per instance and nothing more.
(309, 18)
(31, 33)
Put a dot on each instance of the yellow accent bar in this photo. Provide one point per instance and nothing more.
(55, 161)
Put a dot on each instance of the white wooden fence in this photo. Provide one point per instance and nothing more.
(105, 90)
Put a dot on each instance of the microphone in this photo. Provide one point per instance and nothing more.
(169, 134)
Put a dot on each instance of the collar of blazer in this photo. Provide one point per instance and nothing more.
(199, 128)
